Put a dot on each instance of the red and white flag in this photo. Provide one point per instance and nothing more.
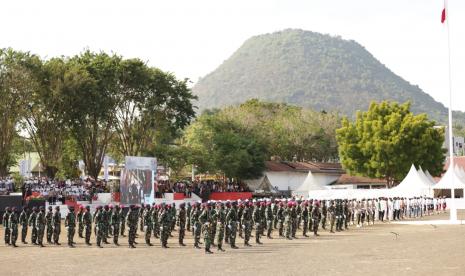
(443, 14)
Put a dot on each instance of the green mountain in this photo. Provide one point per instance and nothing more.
(310, 70)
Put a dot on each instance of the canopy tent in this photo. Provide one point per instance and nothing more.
(425, 178)
(261, 184)
(430, 177)
(450, 180)
(460, 173)
(414, 184)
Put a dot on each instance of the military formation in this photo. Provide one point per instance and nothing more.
(212, 224)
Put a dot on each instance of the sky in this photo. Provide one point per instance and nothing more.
(192, 38)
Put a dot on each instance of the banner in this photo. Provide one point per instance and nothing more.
(137, 180)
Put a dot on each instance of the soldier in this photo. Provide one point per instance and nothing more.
(40, 225)
(56, 222)
(122, 219)
(339, 215)
(220, 221)
(70, 224)
(172, 218)
(87, 221)
(274, 208)
(287, 221)
(294, 220)
(106, 223)
(231, 221)
(304, 217)
(347, 215)
(269, 220)
(115, 221)
(110, 225)
(213, 223)
(205, 219)
(256, 215)
(164, 222)
(80, 222)
(332, 215)
(132, 218)
(141, 217)
(148, 224)
(316, 217)
(48, 219)
(156, 227)
(99, 225)
(299, 213)
(324, 213)
(280, 218)
(196, 224)
(23, 220)
(6, 226)
(310, 220)
(181, 222)
(227, 230)
(13, 224)
(240, 210)
(246, 223)
(32, 223)
(188, 216)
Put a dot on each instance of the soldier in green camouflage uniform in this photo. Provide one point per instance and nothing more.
(70, 223)
(181, 222)
(332, 215)
(231, 222)
(40, 225)
(213, 223)
(23, 220)
(304, 217)
(48, 218)
(299, 214)
(56, 222)
(141, 217)
(287, 221)
(197, 227)
(87, 221)
(13, 221)
(256, 215)
(220, 225)
(115, 221)
(80, 223)
(122, 219)
(240, 210)
(148, 224)
(32, 224)
(99, 225)
(246, 223)
(106, 223)
(269, 220)
(6, 227)
(132, 218)
(172, 218)
(280, 217)
(188, 216)
(324, 213)
(205, 221)
(164, 222)
(274, 208)
(156, 227)
(294, 220)
(316, 217)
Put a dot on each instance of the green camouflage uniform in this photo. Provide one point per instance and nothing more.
(48, 218)
(115, 223)
(304, 217)
(246, 224)
(6, 226)
(181, 221)
(13, 225)
(220, 221)
(196, 224)
(132, 218)
(205, 221)
(32, 223)
(87, 222)
(231, 222)
(70, 222)
(56, 221)
(80, 222)
(165, 225)
(269, 221)
(40, 225)
(148, 224)
(23, 217)
(256, 215)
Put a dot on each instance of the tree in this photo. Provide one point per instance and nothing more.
(386, 140)
(219, 145)
(151, 101)
(89, 97)
(14, 80)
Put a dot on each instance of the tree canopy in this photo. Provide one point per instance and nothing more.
(386, 140)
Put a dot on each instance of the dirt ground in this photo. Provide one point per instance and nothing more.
(382, 249)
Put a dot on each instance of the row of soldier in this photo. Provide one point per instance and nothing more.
(218, 222)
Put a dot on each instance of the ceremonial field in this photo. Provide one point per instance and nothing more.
(383, 249)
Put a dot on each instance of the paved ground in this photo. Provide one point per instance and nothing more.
(382, 249)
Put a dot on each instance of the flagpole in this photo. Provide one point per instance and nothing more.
(452, 209)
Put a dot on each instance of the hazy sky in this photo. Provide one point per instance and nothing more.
(192, 37)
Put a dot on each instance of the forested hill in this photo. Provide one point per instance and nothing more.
(310, 70)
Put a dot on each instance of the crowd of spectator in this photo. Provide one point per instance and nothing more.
(204, 187)
(7, 185)
(58, 191)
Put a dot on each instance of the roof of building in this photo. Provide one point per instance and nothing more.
(346, 179)
(458, 161)
(314, 167)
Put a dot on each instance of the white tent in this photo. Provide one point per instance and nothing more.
(412, 185)
(430, 177)
(425, 178)
(450, 180)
